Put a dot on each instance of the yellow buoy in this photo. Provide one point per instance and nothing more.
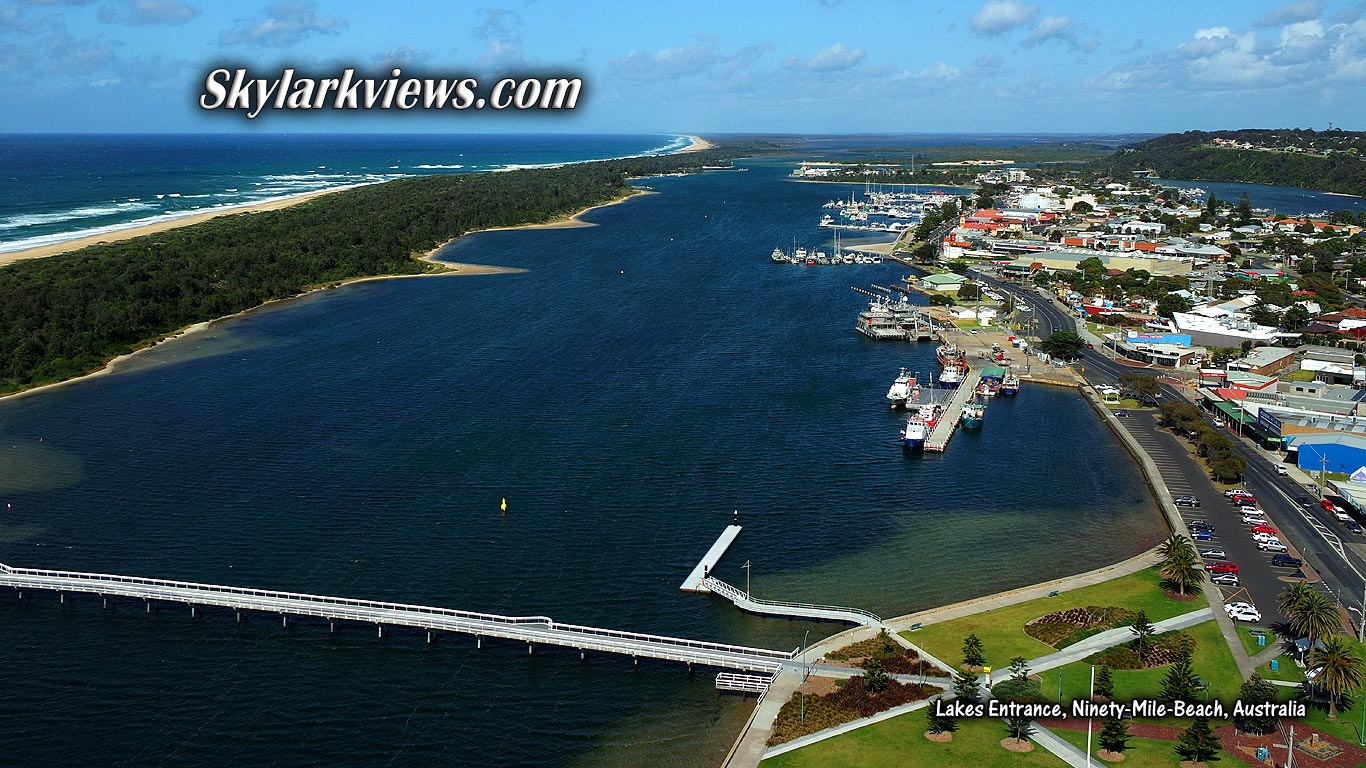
(505, 505)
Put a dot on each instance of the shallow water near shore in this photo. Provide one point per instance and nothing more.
(643, 379)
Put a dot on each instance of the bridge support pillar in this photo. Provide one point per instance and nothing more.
(61, 597)
(106, 601)
(331, 627)
(21, 594)
(149, 607)
(239, 617)
(192, 611)
(530, 649)
(380, 628)
(429, 637)
(478, 642)
(284, 620)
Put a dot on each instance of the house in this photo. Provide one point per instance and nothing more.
(1265, 361)
(948, 281)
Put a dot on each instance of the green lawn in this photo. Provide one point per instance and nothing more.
(1250, 640)
(900, 743)
(1142, 753)
(1002, 630)
(1213, 663)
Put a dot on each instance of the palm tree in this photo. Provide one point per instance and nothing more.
(1318, 618)
(1181, 564)
(1292, 597)
(1340, 671)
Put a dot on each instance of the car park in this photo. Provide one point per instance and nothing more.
(1202, 534)
(1263, 529)
(1222, 567)
(1213, 554)
(1225, 579)
(1286, 561)
(1186, 501)
(1272, 546)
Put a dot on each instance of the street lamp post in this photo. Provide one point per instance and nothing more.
(747, 572)
(804, 674)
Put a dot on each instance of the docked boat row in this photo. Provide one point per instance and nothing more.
(814, 258)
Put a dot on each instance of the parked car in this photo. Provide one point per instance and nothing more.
(1239, 605)
(1352, 526)
(1202, 534)
(1237, 492)
(1248, 509)
(1260, 537)
(1218, 422)
(1253, 518)
(1243, 499)
(1090, 346)
(1222, 567)
(1263, 529)
(1286, 561)
(1281, 470)
(1122, 414)
(1243, 613)
(1329, 506)
(1186, 501)
(1213, 554)
(1226, 579)
(1272, 546)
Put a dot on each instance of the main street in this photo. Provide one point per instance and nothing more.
(1313, 532)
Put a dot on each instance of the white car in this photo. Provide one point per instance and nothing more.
(1253, 518)
(1248, 509)
(1237, 492)
(1281, 470)
(1264, 537)
(1272, 546)
(1243, 612)
(1227, 579)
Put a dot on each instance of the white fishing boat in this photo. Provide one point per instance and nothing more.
(914, 434)
(901, 389)
(778, 256)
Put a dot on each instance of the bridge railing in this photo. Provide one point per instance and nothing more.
(734, 594)
(675, 641)
(91, 582)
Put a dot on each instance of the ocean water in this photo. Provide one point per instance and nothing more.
(1291, 201)
(643, 379)
(54, 187)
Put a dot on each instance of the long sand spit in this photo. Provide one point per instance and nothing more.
(439, 269)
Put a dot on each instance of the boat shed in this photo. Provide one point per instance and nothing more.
(993, 374)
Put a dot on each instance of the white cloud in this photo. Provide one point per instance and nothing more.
(147, 13)
(998, 16)
(1057, 29)
(286, 22)
(667, 64)
(832, 59)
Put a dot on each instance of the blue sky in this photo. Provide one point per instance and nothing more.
(816, 66)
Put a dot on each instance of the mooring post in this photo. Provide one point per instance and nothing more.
(331, 627)
(239, 616)
(380, 627)
(583, 655)
(635, 660)
(284, 620)
(429, 637)
(478, 642)
(106, 600)
(192, 610)
(530, 649)
(61, 597)
(149, 607)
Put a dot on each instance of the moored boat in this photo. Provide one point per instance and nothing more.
(778, 256)
(1010, 385)
(901, 390)
(914, 434)
(973, 414)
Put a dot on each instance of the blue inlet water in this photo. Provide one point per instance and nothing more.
(642, 379)
(54, 187)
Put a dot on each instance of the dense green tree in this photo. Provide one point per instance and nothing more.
(1295, 318)
(1228, 469)
(1018, 727)
(970, 291)
(1181, 564)
(1064, 344)
(940, 723)
(1257, 690)
(875, 675)
(1172, 303)
(1244, 212)
(1199, 743)
(1019, 669)
(974, 654)
(1082, 207)
(966, 686)
(1114, 736)
(1105, 684)
(942, 300)
(1179, 684)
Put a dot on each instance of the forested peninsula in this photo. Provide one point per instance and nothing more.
(68, 315)
(1332, 161)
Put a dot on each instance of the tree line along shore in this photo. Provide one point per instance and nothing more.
(67, 315)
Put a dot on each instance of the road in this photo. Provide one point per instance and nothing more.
(1314, 533)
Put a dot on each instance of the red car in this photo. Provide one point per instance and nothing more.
(1224, 567)
(1243, 499)
(1328, 506)
(1263, 529)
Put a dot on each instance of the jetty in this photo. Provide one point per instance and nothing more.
(531, 630)
(750, 604)
(696, 581)
(953, 412)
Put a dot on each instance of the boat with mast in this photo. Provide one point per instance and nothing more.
(902, 390)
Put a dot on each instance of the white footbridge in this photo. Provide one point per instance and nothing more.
(532, 630)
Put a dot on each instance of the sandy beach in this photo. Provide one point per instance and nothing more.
(698, 144)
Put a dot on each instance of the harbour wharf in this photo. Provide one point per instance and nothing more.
(532, 630)
(953, 412)
(696, 581)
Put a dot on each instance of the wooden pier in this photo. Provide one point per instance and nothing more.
(696, 580)
(948, 420)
